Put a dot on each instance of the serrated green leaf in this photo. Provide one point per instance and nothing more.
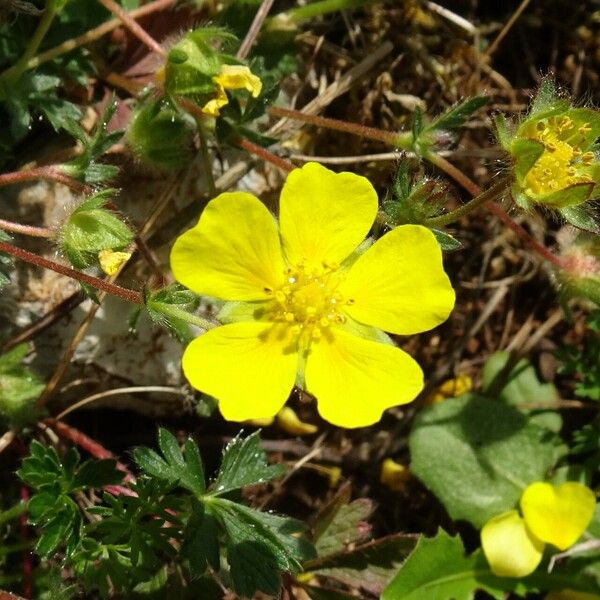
(456, 115)
(447, 242)
(201, 541)
(478, 455)
(185, 470)
(581, 217)
(97, 473)
(244, 463)
(526, 153)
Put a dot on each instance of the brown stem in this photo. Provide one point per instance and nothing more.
(255, 28)
(475, 190)
(137, 30)
(282, 163)
(354, 128)
(49, 173)
(30, 230)
(100, 284)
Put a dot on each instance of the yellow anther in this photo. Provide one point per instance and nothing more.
(587, 158)
(585, 129)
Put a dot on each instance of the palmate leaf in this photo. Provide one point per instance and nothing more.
(174, 466)
(244, 463)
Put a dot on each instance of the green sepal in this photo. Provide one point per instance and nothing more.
(581, 116)
(447, 242)
(525, 153)
(570, 196)
(92, 228)
(504, 131)
(581, 217)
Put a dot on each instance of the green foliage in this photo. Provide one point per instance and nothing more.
(6, 261)
(456, 115)
(416, 201)
(55, 480)
(478, 455)
(167, 305)
(19, 387)
(584, 363)
(167, 517)
(438, 569)
(86, 167)
(90, 228)
(160, 136)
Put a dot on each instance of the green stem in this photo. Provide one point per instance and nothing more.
(14, 72)
(177, 313)
(489, 195)
(319, 8)
(12, 513)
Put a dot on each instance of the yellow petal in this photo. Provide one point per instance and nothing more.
(213, 107)
(399, 284)
(558, 515)
(324, 215)
(288, 420)
(510, 548)
(111, 261)
(239, 77)
(233, 252)
(355, 380)
(394, 475)
(247, 367)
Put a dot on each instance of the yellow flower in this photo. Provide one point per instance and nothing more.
(305, 306)
(513, 545)
(451, 388)
(232, 77)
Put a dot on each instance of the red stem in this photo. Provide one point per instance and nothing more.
(30, 230)
(87, 443)
(50, 173)
(96, 282)
(137, 30)
(354, 128)
(282, 163)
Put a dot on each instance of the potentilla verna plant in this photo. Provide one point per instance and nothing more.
(308, 300)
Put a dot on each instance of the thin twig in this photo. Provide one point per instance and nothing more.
(137, 30)
(49, 173)
(30, 230)
(284, 165)
(255, 28)
(494, 45)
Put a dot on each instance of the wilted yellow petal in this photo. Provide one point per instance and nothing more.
(239, 77)
(451, 388)
(288, 420)
(394, 475)
(558, 515)
(111, 261)
(510, 548)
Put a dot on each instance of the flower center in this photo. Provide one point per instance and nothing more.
(559, 165)
(309, 301)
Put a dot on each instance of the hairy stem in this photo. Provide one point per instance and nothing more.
(252, 148)
(30, 230)
(183, 315)
(205, 155)
(96, 282)
(13, 512)
(360, 130)
(498, 211)
(493, 193)
(321, 7)
(49, 173)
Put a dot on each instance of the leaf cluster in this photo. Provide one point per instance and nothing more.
(167, 521)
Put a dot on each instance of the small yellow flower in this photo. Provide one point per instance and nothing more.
(231, 77)
(111, 261)
(394, 475)
(514, 545)
(308, 308)
(452, 388)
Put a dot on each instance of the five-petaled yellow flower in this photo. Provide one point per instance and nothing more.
(306, 304)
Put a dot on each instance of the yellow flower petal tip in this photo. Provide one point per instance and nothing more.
(394, 475)
(305, 301)
(570, 595)
(288, 420)
(558, 515)
(111, 261)
(239, 77)
(509, 547)
(452, 388)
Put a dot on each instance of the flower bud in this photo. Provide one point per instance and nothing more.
(552, 149)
